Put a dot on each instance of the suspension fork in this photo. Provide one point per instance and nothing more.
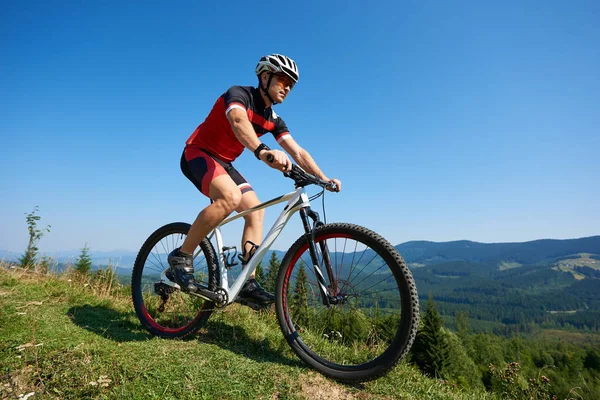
(328, 298)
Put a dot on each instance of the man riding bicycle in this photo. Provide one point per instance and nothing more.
(237, 120)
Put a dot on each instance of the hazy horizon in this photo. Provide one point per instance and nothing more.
(103, 253)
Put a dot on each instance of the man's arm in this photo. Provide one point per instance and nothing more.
(242, 128)
(305, 161)
(244, 132)
(302, 157)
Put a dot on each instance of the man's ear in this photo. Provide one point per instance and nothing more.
(264, 78)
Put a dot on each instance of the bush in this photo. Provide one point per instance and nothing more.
(105, 282)
(461, 368)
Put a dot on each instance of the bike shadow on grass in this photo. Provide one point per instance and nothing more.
(108, 323)
(122, 326)
(236, 339)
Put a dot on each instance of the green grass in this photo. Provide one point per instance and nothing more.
(60, 340)
(578, 260)
(578, 338)
(504, 265)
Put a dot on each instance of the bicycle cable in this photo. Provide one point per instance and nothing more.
(324, 215)
(316, 196)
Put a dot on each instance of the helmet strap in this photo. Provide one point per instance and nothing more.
(266, 90)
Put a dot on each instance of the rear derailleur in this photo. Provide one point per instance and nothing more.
(163, 290)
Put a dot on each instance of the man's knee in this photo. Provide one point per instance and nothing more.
(230, 200)
(255, 218)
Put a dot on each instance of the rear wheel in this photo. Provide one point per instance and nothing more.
(164, 310)
(373, 317)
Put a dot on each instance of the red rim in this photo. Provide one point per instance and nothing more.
(165, 329)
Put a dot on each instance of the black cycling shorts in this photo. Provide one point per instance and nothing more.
(201, 167)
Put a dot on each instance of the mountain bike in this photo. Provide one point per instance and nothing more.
(346, 301)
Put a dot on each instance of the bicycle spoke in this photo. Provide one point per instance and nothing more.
(370, 287)
(352, 262)
(371, 274)
(366, 265)
(153, 254)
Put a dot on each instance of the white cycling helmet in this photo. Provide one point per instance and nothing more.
(278, 63)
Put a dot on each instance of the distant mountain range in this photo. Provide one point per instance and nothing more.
(415, 253)
(511, 288)
(120, 258)
(537, 251)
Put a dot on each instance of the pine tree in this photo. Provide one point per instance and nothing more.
(299, 303)
(462, 325)
(271, 278)
(430, 351)
(29, 258)
(592, 359)
(84, 262)
(463, 330)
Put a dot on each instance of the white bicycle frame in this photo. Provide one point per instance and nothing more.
(296, 200)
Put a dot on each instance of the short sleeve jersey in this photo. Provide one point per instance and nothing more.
(215, 134)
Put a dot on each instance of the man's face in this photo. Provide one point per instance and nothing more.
(281, 85)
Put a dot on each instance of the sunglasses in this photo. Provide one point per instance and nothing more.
(285, 81)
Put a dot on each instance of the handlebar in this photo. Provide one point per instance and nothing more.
(302, 178)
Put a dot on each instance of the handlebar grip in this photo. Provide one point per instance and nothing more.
(333, 186)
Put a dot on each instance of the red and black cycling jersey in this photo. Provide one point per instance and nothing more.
(216, 135)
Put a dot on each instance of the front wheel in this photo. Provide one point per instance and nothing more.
(162, 308)
(372, 320)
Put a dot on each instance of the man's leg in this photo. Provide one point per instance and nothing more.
(252, 293)
(253, 225)
(227, 197)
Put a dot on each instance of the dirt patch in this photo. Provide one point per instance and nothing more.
(18, 382)
(316, 387)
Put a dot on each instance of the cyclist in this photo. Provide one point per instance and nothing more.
(237, 120)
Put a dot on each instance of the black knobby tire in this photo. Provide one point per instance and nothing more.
(367, 334)
(183, 314)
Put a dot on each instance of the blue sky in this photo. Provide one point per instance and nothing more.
(444, 120)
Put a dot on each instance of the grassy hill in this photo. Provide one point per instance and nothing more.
(61, 339)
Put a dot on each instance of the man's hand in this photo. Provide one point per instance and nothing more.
(338, 185)
(280, 161)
